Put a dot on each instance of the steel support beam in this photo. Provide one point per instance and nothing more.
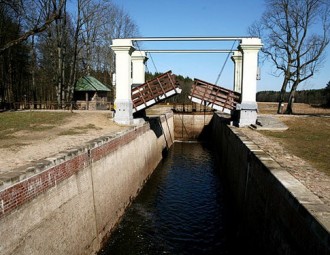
(188, 51)
(212, 38)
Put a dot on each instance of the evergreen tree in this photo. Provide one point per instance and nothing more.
(327, 93)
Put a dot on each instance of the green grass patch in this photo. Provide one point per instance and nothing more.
(11, 122)
(308, 138)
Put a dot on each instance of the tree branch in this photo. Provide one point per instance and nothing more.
(38, 29)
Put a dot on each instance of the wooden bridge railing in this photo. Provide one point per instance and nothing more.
(154, 91)
(214, 96)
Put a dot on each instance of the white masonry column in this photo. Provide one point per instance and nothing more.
(123, 49)
(237, 59)
(247, 109)
(138, 60)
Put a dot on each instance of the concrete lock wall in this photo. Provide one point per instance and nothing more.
(69, 203)
(276, 214)
(190, 126)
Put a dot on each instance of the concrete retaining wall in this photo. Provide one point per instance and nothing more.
(276, 213)
(69, 203)
(190, 126)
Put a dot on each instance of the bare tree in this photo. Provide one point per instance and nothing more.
(29, 14)
(96, 24)
(295, 34)
(61, 51)
(75, 41)
(117, 24)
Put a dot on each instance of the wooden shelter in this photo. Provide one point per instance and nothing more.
(91, 94)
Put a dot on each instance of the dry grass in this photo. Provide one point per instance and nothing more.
(79, 130)
(298, 108)
(308, 135)
(12, 122)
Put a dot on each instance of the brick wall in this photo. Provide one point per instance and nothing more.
(22, 191)
(69, 203)
(25, 190)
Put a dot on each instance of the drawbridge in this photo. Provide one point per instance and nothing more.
(165, 86)
(154, 91)
(213, 96)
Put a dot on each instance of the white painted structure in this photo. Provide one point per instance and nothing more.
(245, 77)
(123, 49)
(138, 64)
(237, 59)
(248, 108)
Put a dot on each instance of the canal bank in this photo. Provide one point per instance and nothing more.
(275, 212)
(69, 203)
(57, 206)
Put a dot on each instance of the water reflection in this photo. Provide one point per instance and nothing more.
(181, 210)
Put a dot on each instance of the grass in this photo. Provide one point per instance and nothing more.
(13, 146)
(79, 130)
(298, 108)
(11, 122)
(308, 137)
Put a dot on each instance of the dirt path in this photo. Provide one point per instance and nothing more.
(27, 147)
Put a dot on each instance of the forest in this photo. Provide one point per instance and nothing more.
(319, 97)
(47, 45)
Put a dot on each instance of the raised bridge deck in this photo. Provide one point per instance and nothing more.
(213, 96)
(154, 91)
(165, 86)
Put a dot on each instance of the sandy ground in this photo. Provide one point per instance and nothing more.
(27, 147)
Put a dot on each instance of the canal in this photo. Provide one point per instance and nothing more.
(182, 209)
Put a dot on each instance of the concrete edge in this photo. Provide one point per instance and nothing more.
(10, 178)
(310, 204)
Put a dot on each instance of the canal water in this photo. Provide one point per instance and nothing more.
(182, 209)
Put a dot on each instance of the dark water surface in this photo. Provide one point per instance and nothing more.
(182, 209)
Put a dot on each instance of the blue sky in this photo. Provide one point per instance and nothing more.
(156, 18)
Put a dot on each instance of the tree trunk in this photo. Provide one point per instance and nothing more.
(73, 71)
(289, 108)
(282, 95)
(33, 70)
(10, 93)
(60, 27)
(64, 45)
(283, 90)
(59, 74)
(2, 77)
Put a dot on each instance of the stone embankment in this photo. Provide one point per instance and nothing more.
(70, 202)
(276, 212)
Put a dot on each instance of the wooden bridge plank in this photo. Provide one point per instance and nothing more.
(154, 90)
(214, 95)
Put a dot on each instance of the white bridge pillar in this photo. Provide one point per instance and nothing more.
(138, 60)
(247, 109)
(237, 59)
(123, 49)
